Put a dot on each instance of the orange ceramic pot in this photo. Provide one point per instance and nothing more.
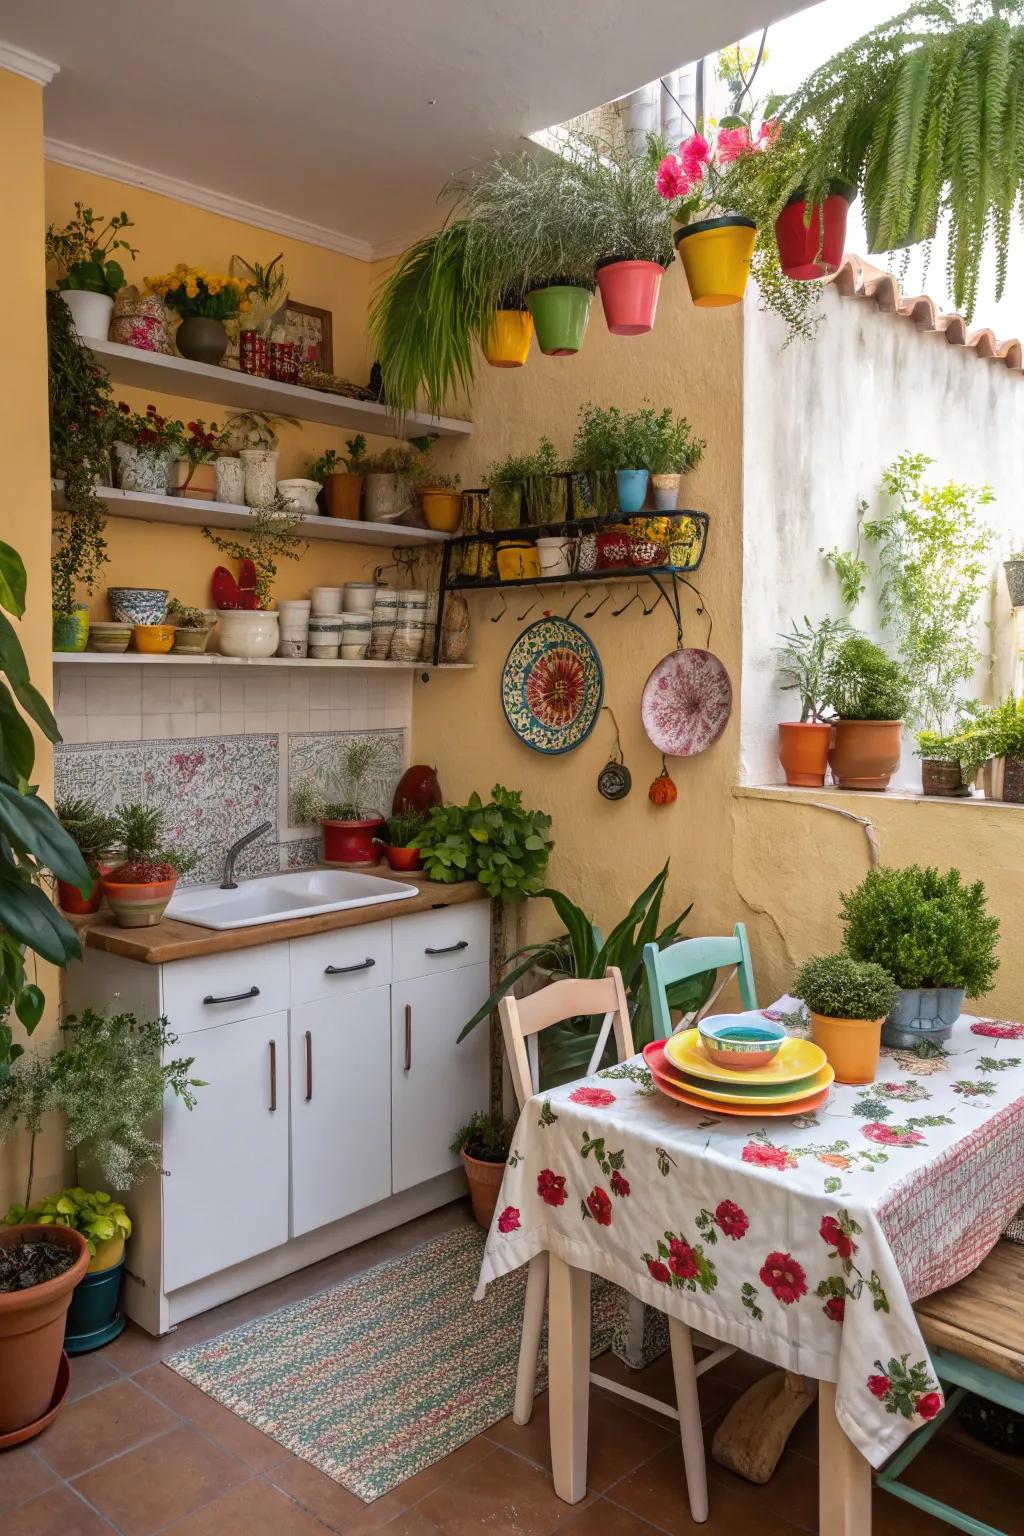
(71, 899)
(803, 752)
(851, 1045)
(139, 905)
(406, 859)
(866, 753)
(508, 340)
(153, 639)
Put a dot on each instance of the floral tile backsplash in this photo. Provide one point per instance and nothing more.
(319, 756)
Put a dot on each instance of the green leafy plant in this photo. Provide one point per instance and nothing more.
(403, 829)
(631, 221)
(148, 431)
(94, 1213)
(546, 486)
(599, 440)
(93, 832)
(862, 683)
(659, 441)
(499, 843)
(83, 251)
(803, 660)
(339, 796)
(267, 290)
(269, 536)
(331, 462)
(393, 461)
(486, 1137)
(840, 987)
(143, 857)
(80, 436)
(852, 570)
(925, 928)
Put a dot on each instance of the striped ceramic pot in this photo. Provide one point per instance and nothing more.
(140, 905)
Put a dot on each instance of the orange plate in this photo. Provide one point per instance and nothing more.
(653, 1055)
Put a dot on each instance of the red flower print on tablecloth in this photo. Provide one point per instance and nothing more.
(620, 1186)
(659, 1271)
(595, 1098)
(879, 1385)
(551, 1187)
(835, 1308)
(784, 1277)
(928, 1405)
(907, 1390)
(681, 1259)
(681, 1264)
(731, 1219)
(508, 1221)
(831, 1232)
(992, 1029)
(599, 1206)
(892, 1135)
(764, 1155)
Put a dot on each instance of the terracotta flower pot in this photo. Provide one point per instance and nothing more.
(629, 294)
(866, 753)
(342, 495)
(405, 859)
(484, 1180)
(803, 752)
(851, 1046)
(139, 905)
(813, 248)
(71, 899)
(352, 842)
(32, 1330)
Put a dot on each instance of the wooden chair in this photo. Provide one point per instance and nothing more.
(975, 1336)
(689, 958)
(522, 1020)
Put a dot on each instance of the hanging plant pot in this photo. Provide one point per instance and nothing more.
(629, 294)
(716, 259)
(813, 247)
(803, 752)
(560, 314)
(508, 340)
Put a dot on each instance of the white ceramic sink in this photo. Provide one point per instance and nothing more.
(275, 898)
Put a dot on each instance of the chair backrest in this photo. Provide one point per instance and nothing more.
(689, 958)
(523, 1018)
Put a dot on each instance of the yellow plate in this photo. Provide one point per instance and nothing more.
(796, 1059)
(782, 1095)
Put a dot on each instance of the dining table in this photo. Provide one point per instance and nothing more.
(804, 1239)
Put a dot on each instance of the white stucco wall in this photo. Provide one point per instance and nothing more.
(821, 422)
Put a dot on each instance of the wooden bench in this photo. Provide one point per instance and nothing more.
(975, 1336)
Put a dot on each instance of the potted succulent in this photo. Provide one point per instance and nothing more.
(204, 300)
(351, 833)
(93, 834)
(40, 1267)
(399, 843)
(848, 1001)
(91, 276)
(196, 469)
(255, 433)
(935, 937)
(868, 693)
(341, 476)
(145, 446)
(192, 628)
(142, 881)
(483, 1143)
(93, 1319)
(1013, 566)
(803, 659)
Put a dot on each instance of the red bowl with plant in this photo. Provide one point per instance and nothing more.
(93, 834)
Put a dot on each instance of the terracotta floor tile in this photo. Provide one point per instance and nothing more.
(22, 1476)
(619, 1439)
(657, 1492)
(89, 1372)
(249, 1444)
(103, 1424)
(412, 1524)
(603, 1519)
(330, 1502)
(416, 1488)
(57, 1513)
(503, 1495)
(149, 1487)
(254, 1509)
(134, 1349)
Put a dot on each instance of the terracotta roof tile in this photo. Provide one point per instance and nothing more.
(858, 279)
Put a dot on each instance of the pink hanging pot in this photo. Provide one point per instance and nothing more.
(629, 293)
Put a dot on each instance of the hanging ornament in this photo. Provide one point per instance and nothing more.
(662, 791)
(614, 781)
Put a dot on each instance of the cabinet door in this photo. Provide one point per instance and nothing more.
(226, 1197)
(436, 1084)
(341, 1107)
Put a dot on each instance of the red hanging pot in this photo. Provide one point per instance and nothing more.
(629, 293)
(815, 249)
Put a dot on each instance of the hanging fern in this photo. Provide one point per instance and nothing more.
(926, 114)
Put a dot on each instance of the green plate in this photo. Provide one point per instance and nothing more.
(769, 1092)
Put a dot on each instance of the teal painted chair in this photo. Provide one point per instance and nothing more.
(691, 957)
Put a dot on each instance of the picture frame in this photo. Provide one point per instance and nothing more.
(311, 330)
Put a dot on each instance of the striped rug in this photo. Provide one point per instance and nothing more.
(378, 1378)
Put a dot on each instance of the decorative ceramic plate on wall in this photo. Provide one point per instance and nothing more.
(552, 686)
(687, 701)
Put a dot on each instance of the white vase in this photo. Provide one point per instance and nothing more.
(301, 494)
(293, 617)
(247, 632)
(91, 312)
(138, 469)
(260, 466)
(231, 481)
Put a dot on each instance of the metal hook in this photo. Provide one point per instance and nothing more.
(607, 710)
(634, 599)
(590, 613)
(702, 607)
(659, 597)
(495, 617)
(526, 611)
(583, 598)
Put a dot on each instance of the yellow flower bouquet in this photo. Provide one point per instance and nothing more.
(192, 291)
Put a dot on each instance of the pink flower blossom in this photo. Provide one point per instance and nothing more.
(891, 1135)
(731, 144)
(695, 155)
(508, 1221)
(672, 181)
(769, 131)
(768, 1157)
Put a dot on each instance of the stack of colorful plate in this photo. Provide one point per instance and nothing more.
(796, 1080)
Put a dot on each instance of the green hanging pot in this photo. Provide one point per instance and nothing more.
(560, 314)
(71, 630)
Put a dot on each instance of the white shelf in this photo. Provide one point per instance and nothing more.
(137, 659)
(228, 386)
(189, 512)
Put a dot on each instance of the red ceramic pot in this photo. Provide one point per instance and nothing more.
(405, 859)
(71, 899)
(629, 293)
(352, 842)
(815, 249)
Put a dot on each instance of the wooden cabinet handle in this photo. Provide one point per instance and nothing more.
(408, 1037)
(235, 997)
(309, 1065)
(273, 1075)
(344, 970)
(449, 949)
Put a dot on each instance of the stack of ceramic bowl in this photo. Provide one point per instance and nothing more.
(407, 640)
(741, 1064)
(359, 596)
(325, 634)
(109, 639)
(293, 618)
(385, 617)
(356, 629)
(325, 600)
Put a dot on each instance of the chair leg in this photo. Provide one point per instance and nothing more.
(533, 1322)
(635, 1344)
(690, 1432)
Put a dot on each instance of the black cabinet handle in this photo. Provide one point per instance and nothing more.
(273, 1076)
(408, 1037)
(236, 997)
(344, 970)
(309, 1065)
(449, 949)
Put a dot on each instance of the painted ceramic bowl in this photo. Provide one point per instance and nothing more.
(138, 605)
(110, 639)
(739, 1042)
(153, 639)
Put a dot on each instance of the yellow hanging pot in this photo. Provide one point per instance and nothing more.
(508, 340)
(716, 259)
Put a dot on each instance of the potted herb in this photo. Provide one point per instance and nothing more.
(848, 1001)
(597, 454)
(196, 471)
(483, 1143)
(935, 937)
(1013, 566)
(943, 763)
(255, 435)
(91, 276)
(506, 480)
(145, 446)
(440, 499)
(351, 832)
(399, 844)
(547, 486)
(341, 476)
(802, 661)
(999, 733)
(869, 694)
(93, 834)
(192, 628)
(499, 842)
(142, 881)
(670, 452)
(204, 300)
(93, 1318)
(387, 481)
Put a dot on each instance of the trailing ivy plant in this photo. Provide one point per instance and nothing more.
(80, 434)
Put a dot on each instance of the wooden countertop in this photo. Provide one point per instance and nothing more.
(175, 940)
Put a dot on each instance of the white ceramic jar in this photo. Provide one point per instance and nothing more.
(247, 632)
(294, 625)
(301, 494)
(326, 599)
(230, 481)
(260, 466)
(355, 636)
(91, 312)
(359, 596)
(324, 636)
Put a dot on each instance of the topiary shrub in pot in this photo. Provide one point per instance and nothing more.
(935, 937)
(483, 1144)
(140, 885)
(869, 694)
(848, 1001)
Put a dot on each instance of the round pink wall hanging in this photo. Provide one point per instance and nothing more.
(687, 701)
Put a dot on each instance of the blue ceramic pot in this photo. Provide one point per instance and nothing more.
(93, 1318)
(923, 1013)
(138, 605)
(632, 488)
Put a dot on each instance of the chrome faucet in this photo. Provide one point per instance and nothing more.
(229, 883)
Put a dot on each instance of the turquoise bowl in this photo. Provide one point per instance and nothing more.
(740, 1041)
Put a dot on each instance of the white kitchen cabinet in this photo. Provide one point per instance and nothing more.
(436, 1083)
(226, 1194)
(341, 1107)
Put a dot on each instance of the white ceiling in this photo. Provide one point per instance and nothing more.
(322, 109)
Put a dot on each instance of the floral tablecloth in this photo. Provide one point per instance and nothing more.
(803, 1240)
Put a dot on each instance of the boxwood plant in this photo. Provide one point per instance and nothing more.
(840, 987)
(925, 928)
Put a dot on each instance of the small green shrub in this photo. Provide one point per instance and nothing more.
(863, 683)
(485, 1137)
(92, 1212)
(403, 828)
(925, 928)
(500, 844)
(843, 988)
